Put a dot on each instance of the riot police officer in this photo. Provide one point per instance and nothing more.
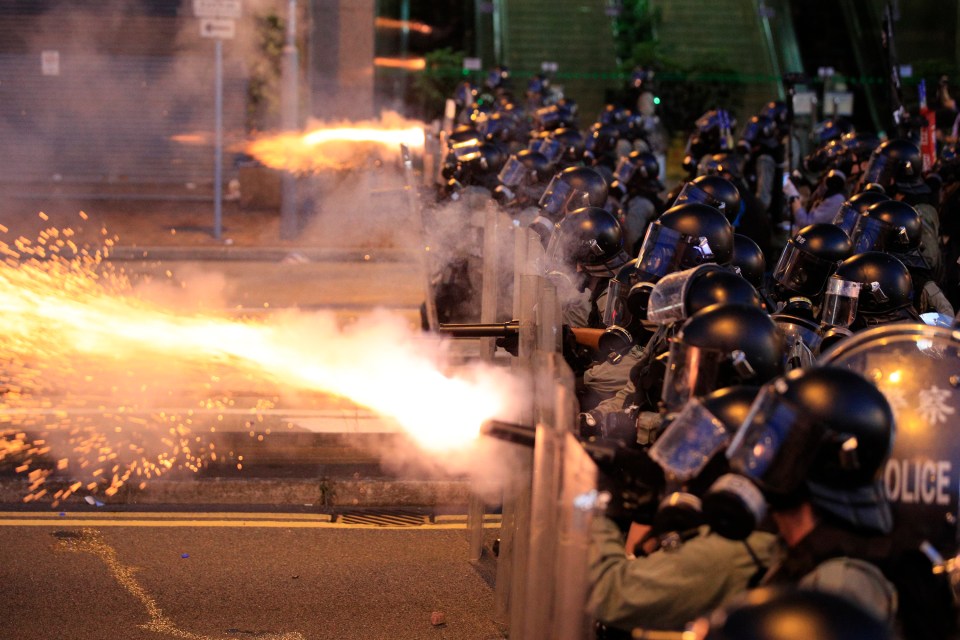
(868, 289)
(569, 190)
(664, 585)
(895, 227)
(812, 449)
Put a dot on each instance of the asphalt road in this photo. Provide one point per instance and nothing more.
(217, 576)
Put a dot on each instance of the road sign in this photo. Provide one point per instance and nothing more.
(217, 8)
(222, 28)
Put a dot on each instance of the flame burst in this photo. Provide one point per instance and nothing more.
(90, 371)
(337, 145)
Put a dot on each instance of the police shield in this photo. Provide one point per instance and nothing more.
(917, 367)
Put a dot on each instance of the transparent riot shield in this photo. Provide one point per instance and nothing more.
(551, 593)
(515, 523)
(917, 367)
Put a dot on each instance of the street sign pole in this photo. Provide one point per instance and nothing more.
(218, 147)
(289, 97)
(217, 22)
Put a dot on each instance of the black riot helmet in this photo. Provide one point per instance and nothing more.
(685, 236)
(821, 434)
(760, 132)
(772, 613)
(719, 193)
(601, 145)
(710, 133)
(809, 258)
(826, 156)
(896, 165)
(524, 168)
(889, 225)
(833, 129)
(725, 165)
(571, 189)
(867, 288)
(591, 240)
(555, 116)
(859, 146)
(502, 126)
(777, 111)
(851, 210)
(748, 260)
(570, 144)
(721, 346)
(681, 294)
(639, 171)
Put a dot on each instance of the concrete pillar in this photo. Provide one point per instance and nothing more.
(341, 74)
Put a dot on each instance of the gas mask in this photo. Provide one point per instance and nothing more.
(769, 458)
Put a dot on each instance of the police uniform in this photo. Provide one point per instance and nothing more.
(834, 559)
(668, 589)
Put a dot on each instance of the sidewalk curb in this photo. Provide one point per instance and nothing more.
(291, 255)
(293, 492)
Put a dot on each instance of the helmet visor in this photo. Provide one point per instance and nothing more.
(551, 149)
(846, 218)
(693, 438)
(615, 311)
(554, 200)
(691, 371)
(664, 251)
(879, 170)
(774, 446)
(840, 302)
(548, 117)
(625, 170)
(801, 271)
(512, 173)
(658, 253)
(668, 298)
(693, 193)
(870, 234)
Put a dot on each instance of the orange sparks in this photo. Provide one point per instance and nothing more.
(97, 368)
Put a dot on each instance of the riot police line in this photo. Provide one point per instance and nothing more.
(713, 415)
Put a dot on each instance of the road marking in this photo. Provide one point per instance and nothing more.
(209, 521)
(92, 542)
(166, 515)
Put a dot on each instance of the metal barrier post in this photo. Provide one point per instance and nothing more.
(514, 526)
(488, 314)
(534, 616)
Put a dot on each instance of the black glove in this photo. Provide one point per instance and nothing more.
(590, 425)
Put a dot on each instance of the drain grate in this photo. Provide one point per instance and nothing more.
(384, 519)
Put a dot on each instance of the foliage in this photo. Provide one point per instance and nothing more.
(431, 87)
(263, 84)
